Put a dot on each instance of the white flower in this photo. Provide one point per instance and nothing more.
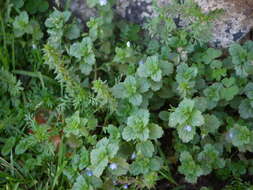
(128, 44)
(188, 128)
(113, 166)
(102, 2)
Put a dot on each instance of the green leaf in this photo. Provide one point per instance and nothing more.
(212, 124)
(185, 118)
(213, 92)
(76, 125)
(229, 93)
(122, 167)
(155, 131)
(9, 144)
(150, 69)
(201, 103)
(245, 109)
(185, 73)
(240, 135)
(81, 184)
(57, 19)
(146, 148)
(128, 134)
(210, 159)
(85, 68)
(140, 166)
(119, 91)
(136, 99)
(129, 89)
(24, 145)
(73, 32)
(249, 90)
(99, 160)
(228, 82)
(145, 165)
(84, 158)
(82, 49)
(185, 79)
(164, 115)
(21, 24)
(196, 118)
(211, 54)
(34, 6)
(186, 133)
(186, 113)
(17, 3)
(156, 164)
(113, 131)
(240, 59)
(137, 126)
(166, 67)
(189, 167)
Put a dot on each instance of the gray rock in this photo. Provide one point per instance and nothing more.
(231, 26)
(234, 24)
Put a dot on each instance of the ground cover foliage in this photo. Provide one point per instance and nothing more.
(114, 105)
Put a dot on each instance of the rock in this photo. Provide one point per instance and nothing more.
(234, 24)
(79, 8)
(231, 26)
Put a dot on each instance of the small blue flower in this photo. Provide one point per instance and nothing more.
(133, 156)
(141, 62)
(89, 172)
(113, 166)
(188, 128)
(125, 186)
(102, 2)
(231, 135)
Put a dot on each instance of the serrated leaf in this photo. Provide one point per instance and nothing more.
(211, 125)
(99, 160)
(136, 99)
(245, 109)
(189, 168)
(229, 93)
(166, 67)
(81, 184)
(186, 133)
(150, 69)
(73, 32)
(155, 131)
(119, 91)
(240, 135)
(196, 118)
(211, 54)
(137, 126)
(140, 166)
(146, 148)
(210, 159)
(213, 92)
(249, 90)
